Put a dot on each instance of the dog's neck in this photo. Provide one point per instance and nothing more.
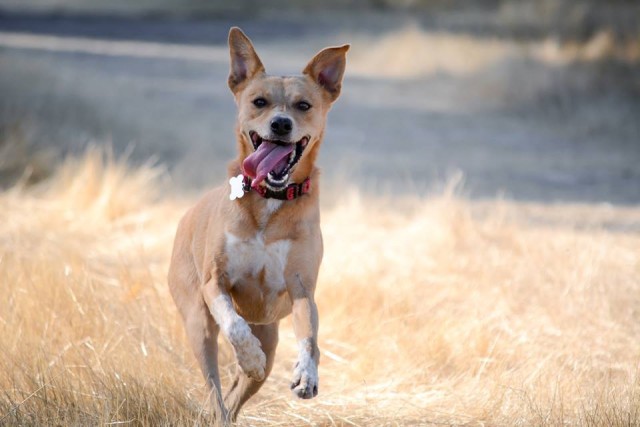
(260, 210)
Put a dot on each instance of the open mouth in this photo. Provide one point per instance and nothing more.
(273, 160)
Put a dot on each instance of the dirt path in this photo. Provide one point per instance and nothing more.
(530, 120)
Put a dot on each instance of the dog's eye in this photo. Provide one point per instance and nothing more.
(303, 106)
(260, 102)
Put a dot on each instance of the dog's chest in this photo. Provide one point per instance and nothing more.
(251, 260)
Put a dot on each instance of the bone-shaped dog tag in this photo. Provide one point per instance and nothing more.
(237, 190)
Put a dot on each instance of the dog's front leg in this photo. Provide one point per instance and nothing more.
(305, 326)
(246, 346)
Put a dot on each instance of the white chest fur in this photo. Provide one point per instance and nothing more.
(270, 206)
(246, 258)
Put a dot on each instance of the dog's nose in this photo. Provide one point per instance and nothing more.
(281, 125)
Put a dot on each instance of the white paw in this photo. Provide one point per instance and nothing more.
(305, 379)
(248, 350)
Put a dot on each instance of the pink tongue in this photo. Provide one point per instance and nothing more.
(266, 158)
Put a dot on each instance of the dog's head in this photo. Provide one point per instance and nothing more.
(281, 119)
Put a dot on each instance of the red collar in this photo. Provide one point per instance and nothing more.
(290, 192)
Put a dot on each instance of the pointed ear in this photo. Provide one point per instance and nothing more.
(327, 69)
(245, 63)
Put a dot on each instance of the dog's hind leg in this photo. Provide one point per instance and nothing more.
(201, 328)
(202, 331)
(243, 387)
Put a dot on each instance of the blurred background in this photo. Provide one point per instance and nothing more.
(530, 100)
(516, 302)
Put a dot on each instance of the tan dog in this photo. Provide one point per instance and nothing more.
(248, 256)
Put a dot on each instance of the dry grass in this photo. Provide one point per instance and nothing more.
(438, 311)
(412, 52)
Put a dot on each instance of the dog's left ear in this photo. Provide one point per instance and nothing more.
(327, 69)
(245, 63)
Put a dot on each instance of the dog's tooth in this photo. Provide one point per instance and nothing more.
(274, 179)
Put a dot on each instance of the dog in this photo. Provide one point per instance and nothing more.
(248, 254)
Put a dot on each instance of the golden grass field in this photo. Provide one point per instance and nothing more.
(440, 311)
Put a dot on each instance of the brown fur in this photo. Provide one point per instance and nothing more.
(218, 239)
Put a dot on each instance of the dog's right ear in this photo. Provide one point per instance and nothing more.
(245, 63)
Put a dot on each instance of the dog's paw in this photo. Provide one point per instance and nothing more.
(251, 358)
(305, 379)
